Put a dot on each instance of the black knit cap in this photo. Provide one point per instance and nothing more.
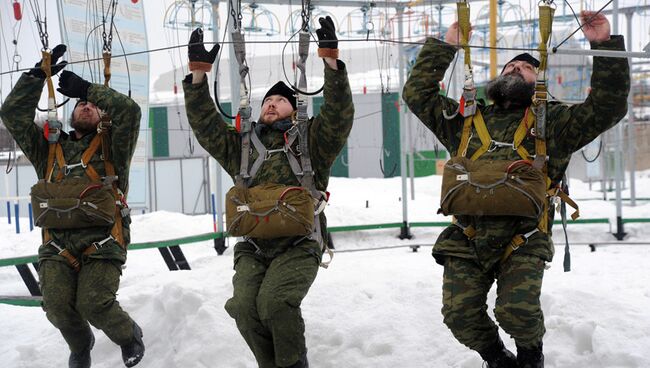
(526, 57)
(283, 90)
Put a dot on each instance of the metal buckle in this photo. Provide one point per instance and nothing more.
(101, 243)
(68, 168)
(268, 153)
(494, 145)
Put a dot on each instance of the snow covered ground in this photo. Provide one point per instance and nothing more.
(374, 309)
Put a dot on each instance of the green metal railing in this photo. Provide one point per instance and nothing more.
(35, 301)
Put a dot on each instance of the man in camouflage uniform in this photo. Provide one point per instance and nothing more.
(74, 299)
(272, 276)
(471, 266)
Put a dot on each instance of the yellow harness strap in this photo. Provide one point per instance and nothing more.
(464, 26)
(521, 133)
(483, 135)
(516, 242)
(478, 123)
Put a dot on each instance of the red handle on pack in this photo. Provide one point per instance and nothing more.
(517, 164)
(288, 190)
(88, 189)
(18, 13)
(238, 122)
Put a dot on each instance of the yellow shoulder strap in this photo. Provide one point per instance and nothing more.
(521, 132)
(483, 134)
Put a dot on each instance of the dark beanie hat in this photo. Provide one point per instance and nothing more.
(526, 57)
(283, 90)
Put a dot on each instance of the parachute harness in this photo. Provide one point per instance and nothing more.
(534, 122)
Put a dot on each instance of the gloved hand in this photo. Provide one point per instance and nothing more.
(57, 52)
(327, 34)
(200, 57)
(73, 85)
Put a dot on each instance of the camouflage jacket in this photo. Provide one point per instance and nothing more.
(569, 128)
(328, 132)
(18, 112)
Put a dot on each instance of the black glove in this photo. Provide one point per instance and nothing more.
(327, 34)
(73, 85)
(57, 52)
(200, 57)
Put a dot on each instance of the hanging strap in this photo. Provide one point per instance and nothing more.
(121, 208)
(521, 133)
(243, 119)
(540, 98)
(467, 105)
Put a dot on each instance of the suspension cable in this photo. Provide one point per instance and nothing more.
(53, 126)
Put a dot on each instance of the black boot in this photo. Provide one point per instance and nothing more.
(530, 357)
(82, 358)
(302, 362)
(497, 356)
(133, 352)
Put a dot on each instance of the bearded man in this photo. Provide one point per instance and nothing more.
(274, 273)
(473, 261)
(84, 245)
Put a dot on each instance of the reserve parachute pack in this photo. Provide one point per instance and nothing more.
(269, 211)
(73, 203)
(273, 210)
(492, 188)
(501, 187)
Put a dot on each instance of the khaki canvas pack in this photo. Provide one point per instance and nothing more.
(72, 203)
(269, 211)
(492, 188)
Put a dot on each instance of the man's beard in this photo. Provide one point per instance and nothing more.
(83, 126)
(264, 121)
(510, 90)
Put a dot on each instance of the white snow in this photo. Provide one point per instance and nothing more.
(374, 309)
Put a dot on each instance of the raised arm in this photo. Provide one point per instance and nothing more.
(17, 114)
(221, 140)
(124, 115)
(422, 92)
(574, 127)
(330, 129)
(19, 109)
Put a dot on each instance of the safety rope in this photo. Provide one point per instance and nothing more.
(540, 98)
(467, 106)
(53, 126)
(108, 38)
(243, 119)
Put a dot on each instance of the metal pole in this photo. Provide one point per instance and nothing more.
(606, 53)
(618, 155)
(493, 39)
(217, 172)
(405, 232)
(409, 119)
(631, 134)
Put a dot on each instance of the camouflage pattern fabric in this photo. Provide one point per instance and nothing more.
(266, 301)
(569, 128)
(267, 288)
(517, 307)
(18, 112)
(71, 299)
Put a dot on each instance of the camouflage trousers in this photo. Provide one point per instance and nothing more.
(266, 300)
(71, 300)
(517, 308)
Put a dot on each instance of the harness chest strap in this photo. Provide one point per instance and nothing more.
(528, 121)
(56, 152)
